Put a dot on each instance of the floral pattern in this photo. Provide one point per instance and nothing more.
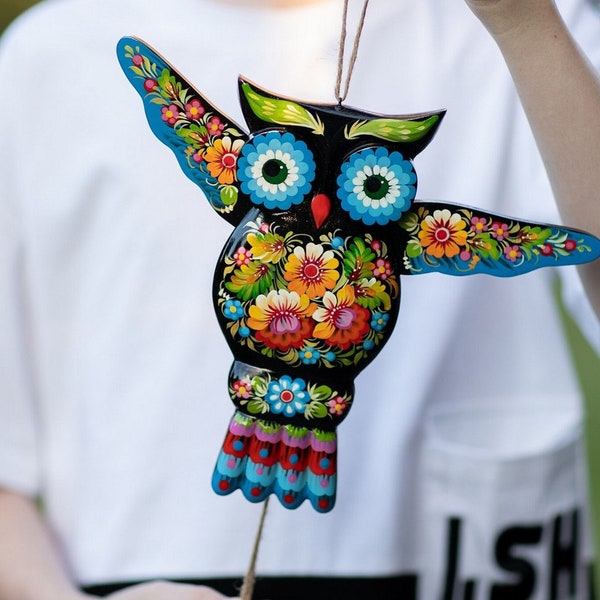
(211, 145)
(376, 186)
(289, 397)
(325, 303)
(459, 241)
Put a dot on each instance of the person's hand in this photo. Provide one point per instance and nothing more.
(504, 16)
(164, 590)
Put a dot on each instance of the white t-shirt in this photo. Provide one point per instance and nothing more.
(113, 371)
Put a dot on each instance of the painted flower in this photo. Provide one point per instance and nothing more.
(281, 319)
(267, 246)
(276, 170)
(512, 253)
(242, 256)
(150, 84)
(499, 230)
(215, 126)
(337, 405)
(311, 270)
(287, 396)
(443, 233)
(194, 109)
(169, 114)
(341, 322)
(233, 310)
(309, 356)
(379, 321)
(376, 186)
(222, 158)
(242, 388)
(479, 224)
(383, 268)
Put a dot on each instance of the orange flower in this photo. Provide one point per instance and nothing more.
(443, 233)
(281, 319)
(221, 159)
(311, 271)
(341, 322)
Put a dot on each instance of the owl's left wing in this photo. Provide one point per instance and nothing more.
(205, 141)
(459, 240)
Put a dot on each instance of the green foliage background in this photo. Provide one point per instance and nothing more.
(588, 363)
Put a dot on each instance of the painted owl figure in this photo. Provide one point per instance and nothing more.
(307, 287)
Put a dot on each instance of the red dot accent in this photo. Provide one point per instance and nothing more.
(323, 503)
(255, 491)
(223, 485)
(288, 498)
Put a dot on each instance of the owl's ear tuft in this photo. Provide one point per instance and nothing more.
(413, 132)
(264, 108)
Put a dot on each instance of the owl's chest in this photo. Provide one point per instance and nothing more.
(288, 298)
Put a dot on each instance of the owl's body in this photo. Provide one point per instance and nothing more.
(307, 287)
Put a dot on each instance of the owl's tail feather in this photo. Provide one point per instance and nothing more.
(263, 457)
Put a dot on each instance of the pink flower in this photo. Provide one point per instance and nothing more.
(499, 230)
(512, 253)
(478, 224)
(383, 269)
(169, 114)
(242, 388)
(194, 109)
(215, 127)
(150, 85)
(337, 405)
(242, 256)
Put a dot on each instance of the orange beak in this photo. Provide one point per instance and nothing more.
(320, 207)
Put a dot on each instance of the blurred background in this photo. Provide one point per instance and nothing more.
(586, 360)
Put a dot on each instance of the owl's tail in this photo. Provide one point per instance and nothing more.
(263, 457)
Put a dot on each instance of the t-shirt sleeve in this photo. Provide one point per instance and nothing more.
(19, 465)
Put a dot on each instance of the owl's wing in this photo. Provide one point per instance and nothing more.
(459, 240)
(205, 141)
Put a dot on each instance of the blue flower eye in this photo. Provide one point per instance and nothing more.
(376, 186)
(276, 170)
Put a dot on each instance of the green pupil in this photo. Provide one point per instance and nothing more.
(274, 171)
(376, 187)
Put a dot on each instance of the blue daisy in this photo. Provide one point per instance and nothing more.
(376, 186)
(233, 310)
(309, 356)
(287, 396)
(276, 170)
(379, 321)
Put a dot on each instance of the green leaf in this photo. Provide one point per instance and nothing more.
(414, 249)
(259, 385)
(392, 130)
(280, 111)
(257, 407)
(323, 392)
(315, 410)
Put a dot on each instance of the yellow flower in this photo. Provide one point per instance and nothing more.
(221, 159)
(443, 233)
(311, 271)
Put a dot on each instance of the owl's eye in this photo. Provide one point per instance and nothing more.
(276, 170)
(376, 186)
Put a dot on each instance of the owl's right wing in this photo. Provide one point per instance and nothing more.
(459, 240)
(205, 141)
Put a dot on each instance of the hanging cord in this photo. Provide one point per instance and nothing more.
(250, 577)
(341, 96)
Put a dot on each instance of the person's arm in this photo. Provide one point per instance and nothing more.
(31, 567)
(560, 92)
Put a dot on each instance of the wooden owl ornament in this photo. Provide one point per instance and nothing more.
(307, 287)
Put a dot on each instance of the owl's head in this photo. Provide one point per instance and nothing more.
(340, 160)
